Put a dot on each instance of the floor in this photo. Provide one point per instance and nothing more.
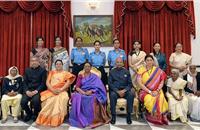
(120, 125)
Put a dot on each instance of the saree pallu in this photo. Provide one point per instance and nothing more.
(54, 106)
(181, 59)
(54, 110)
(138, 61)
(89, 110)
(156, 107)
(178, 109)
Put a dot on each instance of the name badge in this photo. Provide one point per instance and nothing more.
(121, 56)
(125, 76)
(83, 53)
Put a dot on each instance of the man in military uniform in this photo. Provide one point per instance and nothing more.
(120, 86)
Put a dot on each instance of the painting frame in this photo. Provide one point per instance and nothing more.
(93, 27)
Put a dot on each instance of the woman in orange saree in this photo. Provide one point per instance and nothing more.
(151, 80)
(55, 98)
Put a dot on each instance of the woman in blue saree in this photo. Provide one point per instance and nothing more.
(89, 101)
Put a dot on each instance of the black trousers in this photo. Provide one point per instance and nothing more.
(104, 77)
(129, 96)
(75, 70)
(35, 102)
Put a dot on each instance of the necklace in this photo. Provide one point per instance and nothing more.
(137, 53)
(150, 71)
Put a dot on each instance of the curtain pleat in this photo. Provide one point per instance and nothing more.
(18, 35)
(166, 22)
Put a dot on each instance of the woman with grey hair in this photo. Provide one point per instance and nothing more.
(178, 102)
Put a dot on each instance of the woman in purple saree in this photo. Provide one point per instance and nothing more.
(89, 101)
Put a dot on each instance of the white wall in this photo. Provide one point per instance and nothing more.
(106, 7)
(196, 42)
(80, 7)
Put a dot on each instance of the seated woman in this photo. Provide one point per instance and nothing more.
(151, 80)
(193, 93)
(11, 91)
(178, 102)
(55, 98)
(89, 101)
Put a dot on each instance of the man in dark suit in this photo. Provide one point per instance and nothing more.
(34, 82)
(120, 86)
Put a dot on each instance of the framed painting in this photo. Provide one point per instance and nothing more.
(93, 27)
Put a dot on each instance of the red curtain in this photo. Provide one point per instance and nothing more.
(166, 22)
(21, 22)
(8, 6)
(30, 6)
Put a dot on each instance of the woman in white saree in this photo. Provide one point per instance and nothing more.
(178, 102)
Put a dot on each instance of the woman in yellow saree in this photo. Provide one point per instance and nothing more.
(151, 80)
(55, 98)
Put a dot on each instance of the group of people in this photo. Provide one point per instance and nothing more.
(46, 82)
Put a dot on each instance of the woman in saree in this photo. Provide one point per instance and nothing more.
(160, 60)
(178, 102)
(159, 56)
(179, 60)
(151, 80)
(89, 101)
(135, 61)
(55, 98)
(59, 52)
(42, 54)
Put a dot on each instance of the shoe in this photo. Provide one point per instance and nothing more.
(113, 120)
(3, 121)
(128, 119)
(15, 120)
(27, 118)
